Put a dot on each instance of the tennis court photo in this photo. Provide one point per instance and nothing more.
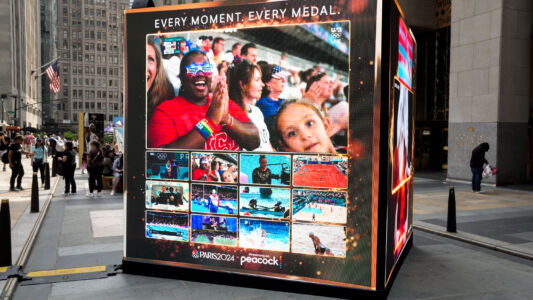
(320, 171)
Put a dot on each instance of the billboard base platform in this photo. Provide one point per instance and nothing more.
(136, 267)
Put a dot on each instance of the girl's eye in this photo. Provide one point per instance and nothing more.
(310, 123)
(291, 134)
(151, 59)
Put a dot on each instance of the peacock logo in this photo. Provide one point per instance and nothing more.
(195, 254)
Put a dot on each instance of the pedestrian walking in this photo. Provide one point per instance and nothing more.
(38, 153)
(476, 165)
(95, 168)
(5, 142)
(15, 163)
(69, 166)
(28, 143)
(83, 166)
(118, 170)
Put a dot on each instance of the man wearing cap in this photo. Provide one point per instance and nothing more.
(274, 78)
(15, 163)
(201, 172)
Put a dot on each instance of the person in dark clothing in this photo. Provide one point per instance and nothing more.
(109, 159)
(262, 174)
(5, 142)
(95, 167)
(476, 165)
(15, 163)
(69, 166)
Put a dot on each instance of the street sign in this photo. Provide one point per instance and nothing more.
(10, 112)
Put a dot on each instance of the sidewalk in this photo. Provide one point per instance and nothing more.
(82, 232)
(22, 221)
(500, 216)
(19, 202)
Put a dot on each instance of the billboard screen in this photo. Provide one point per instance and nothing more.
(401, 139)
(255, 123)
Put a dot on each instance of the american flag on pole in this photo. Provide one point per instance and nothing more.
(53, 74)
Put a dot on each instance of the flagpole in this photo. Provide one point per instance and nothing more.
(45, 65)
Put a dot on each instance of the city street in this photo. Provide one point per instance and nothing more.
(85, 232)
(332, 149)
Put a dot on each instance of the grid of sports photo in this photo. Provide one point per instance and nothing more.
(278, 202)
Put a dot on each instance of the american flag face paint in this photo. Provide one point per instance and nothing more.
(194, 69)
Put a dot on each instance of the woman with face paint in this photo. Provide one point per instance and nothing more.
(196, 120)
(158, 87)
(245, 87)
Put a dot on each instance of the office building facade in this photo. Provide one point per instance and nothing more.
(91, 54)
(20, 59)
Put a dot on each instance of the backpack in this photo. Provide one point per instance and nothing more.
(5, 158)
(60, 145)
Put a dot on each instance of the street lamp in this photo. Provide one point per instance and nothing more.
(3, 97)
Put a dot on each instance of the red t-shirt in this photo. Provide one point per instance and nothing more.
(198, 174)
(174, 118)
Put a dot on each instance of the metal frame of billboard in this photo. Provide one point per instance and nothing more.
(378, 162)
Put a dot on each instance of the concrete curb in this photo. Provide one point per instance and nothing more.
(476, 240)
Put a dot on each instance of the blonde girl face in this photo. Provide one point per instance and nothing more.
(303, 130)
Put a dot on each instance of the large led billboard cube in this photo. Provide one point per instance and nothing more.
(270, 138)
